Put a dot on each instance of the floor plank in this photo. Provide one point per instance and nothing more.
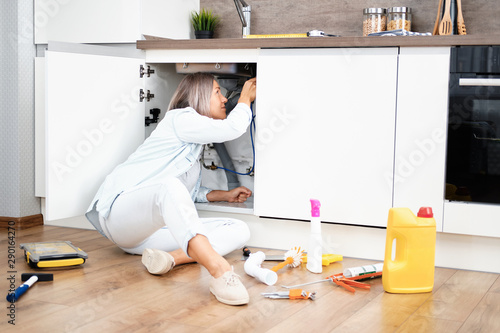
(458, 296)
(484, 318)
(421, 324)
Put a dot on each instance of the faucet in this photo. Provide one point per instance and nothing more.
(244, 11)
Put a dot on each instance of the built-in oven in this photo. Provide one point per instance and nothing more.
(473, 150)
(473, 140)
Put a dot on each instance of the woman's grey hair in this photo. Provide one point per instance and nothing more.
(195, 90)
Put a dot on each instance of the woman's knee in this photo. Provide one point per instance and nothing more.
(226, 234)
(241, 233)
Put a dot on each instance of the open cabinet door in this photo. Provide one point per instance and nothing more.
(94, 121)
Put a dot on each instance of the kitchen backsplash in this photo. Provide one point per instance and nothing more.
(343, 17)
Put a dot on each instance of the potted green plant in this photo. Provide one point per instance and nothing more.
(204, 23)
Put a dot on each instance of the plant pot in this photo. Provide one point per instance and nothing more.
(204, 34)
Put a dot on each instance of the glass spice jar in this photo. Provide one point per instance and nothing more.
(399, 18)
(374, 20)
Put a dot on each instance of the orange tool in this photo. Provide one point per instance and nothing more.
(350, 282)
(341, 279)
(291, 294)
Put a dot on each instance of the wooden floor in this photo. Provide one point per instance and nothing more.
(112, 292)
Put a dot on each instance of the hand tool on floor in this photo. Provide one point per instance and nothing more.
(341, 280)
(247, 253)
(291, 294)
(327, 258)
(293, 258)
(349, 283)
(30, 279)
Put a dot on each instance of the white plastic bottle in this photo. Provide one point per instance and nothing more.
(315, 250)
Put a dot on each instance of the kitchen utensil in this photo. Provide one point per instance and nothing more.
(460, 19)
(445, 25)
(436, 24)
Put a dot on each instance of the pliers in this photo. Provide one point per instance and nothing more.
(342, 281)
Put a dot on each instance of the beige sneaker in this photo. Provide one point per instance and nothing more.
(228, 289)
(157, 262)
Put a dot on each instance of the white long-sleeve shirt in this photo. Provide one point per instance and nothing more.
(170, 151)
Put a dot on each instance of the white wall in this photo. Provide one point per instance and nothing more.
(17, 168)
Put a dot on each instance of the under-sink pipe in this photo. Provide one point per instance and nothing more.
(252, 268)
(227, 162)
(220, 148)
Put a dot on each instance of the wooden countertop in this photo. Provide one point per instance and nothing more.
(314, 42)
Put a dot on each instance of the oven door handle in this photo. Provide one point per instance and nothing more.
(479, 82)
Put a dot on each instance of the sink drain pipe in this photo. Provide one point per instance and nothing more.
(227, 162)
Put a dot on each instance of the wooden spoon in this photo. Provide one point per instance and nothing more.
(445, 25)
(436, 25)
(460, 19)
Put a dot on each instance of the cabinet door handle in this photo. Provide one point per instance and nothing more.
(479, 82)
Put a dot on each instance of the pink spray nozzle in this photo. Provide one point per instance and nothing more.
(315, 205)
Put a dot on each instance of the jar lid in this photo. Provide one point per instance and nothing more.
(399, 10)
(374, 11)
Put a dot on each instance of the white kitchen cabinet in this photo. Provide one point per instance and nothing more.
(471, 219)
(421, 127)
(93, 121)
(325, 130)
(111, 21)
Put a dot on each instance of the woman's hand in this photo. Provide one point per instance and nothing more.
(239, 194)
(248, 92)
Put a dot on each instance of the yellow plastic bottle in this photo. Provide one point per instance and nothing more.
(411, 270)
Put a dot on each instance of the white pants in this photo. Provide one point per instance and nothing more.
(161, 215)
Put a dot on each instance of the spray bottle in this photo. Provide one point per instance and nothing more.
(315, 251)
